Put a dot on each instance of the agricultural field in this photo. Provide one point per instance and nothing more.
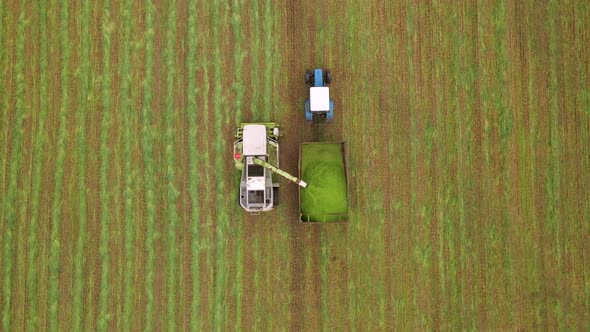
(467, 126)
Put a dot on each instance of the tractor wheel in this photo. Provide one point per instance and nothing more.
(307, 77)
(275, 196)
(328, 77)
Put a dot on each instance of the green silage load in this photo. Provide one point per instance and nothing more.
(322, 167)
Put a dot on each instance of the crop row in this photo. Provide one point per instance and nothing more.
(16, 156)
(56, 215)
(255, 72)
(78, 291)
(128, 173)
(39, 145)
(148, 159)
(219, 312)
(238, 107)
(4, 116)
(103, 247)
(194, 160)
(172, 192)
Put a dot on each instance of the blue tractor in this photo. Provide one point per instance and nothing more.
(319, 107)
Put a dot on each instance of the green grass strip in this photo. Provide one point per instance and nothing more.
(239, 89)
(393, 145)
(491, 310)
(352, 20)
(285, 239)
(3, 115)
(16, 160)
(469, 77)
(257, 298)
(128, 173)
(103, 247)
(219, 143)
(238, 84)
(255, 54)
(537, 259)
(440, 194)
(85, 90)
(205, 243)
(169, 156)
(553, 179)
(148, 159)
(267, 19)
(505, 128)
(324, 261)
(413, 139)
(38, 155)
(62, 134)
(195, 159)
(582, 15)
(457, 320)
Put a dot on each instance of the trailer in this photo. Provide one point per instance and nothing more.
(325, 199)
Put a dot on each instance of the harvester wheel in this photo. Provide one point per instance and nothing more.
(307, 77)
(328, 77)
(275, 195)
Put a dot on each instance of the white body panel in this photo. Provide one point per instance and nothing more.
(319, 98)
(255, 183)
(254, 140)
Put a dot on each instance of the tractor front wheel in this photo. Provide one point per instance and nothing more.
(328, 77)
(307, 77)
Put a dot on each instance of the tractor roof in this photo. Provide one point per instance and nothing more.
(254, 140)
(320, 98)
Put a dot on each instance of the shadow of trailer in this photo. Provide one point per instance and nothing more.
(326, 198)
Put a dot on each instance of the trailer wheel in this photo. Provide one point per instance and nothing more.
(307, 77)
(328, 77)
(275, 196)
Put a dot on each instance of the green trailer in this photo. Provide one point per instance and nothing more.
(325, 199)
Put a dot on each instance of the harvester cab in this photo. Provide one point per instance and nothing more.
(256, 152)
(319, 107)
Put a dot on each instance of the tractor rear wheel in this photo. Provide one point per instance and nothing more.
(275, 196)
(307, 77)
(328, 77)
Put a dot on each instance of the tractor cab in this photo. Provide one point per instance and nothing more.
(319, 107)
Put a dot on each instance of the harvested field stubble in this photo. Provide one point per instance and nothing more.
(466, 126)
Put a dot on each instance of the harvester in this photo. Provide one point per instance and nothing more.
(319, 107)
(256, 155)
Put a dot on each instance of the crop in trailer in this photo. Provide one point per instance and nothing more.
(322, 168)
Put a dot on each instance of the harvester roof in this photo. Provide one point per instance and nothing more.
(254, 140)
